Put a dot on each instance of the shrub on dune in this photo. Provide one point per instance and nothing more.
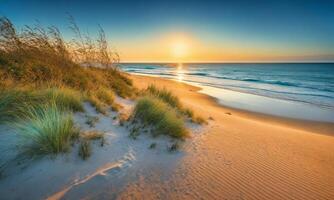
(162, 117)
(48, 130)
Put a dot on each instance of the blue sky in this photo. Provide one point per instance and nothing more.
(267, 30)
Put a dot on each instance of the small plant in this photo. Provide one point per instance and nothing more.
(92, 135)
(123, 118)
(174, 147)
(85, 149)
(103, 141)
(115, 107)
(92, 120)
(134, 133)
(199, 120)
(153, 145)
(188, 112)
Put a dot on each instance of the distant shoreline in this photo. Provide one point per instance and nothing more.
(302, 124)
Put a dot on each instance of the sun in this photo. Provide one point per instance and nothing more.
(179, 49)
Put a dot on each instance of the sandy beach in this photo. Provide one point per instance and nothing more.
(237, 155)
(167, 100)
(243, 155)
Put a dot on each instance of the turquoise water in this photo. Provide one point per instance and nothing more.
(309, 87)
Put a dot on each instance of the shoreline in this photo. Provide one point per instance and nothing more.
(318, 127)
(243, 155)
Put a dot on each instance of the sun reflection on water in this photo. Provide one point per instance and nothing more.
(180, 72)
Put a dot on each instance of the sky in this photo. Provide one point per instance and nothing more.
(195, 31)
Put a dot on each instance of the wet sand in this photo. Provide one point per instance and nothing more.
(243, 155)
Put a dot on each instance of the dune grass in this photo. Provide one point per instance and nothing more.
(48, 130)
(65, 98)
(92, 135)
(164, 119)
(12, 103)
(92, 120)
(169, 98)
(106, 96)
(38, 56)
(85, 149)
(165, 95)
(100, 107)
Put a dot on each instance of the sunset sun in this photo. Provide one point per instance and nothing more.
(179, 49)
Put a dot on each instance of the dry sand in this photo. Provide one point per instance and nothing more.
(238, 155)
(244, 155)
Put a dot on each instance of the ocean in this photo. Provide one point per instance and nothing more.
(296, 90)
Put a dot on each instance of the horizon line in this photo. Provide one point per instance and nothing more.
(228, 62)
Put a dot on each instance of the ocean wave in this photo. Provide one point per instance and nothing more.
(273, 82)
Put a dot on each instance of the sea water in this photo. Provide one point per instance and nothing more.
(296, 90)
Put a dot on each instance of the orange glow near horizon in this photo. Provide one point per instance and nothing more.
(184, 47)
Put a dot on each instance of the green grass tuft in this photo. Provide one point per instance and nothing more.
(48, 130)
(173, 101)
(14, 103)
(155, 112)
(65, 98)
(165, 95)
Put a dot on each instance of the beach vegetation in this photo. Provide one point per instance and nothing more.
(169, 98)
(173, 147)
(65, 98)
(92, 135)
(152, 145)
(92, 120)
(155, 112)
(85, 149)
(45, 130)
(100, 107)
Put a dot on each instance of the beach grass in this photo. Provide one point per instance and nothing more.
(100, 107)
(85, 149)
(65, 98)
(46, 130)
(12, 103)
(92, 135)
(165, 95)
(92, 120)
(106, 96)
(155, 112)
(169, 98)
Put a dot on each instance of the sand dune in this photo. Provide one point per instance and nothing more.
(241, 156)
